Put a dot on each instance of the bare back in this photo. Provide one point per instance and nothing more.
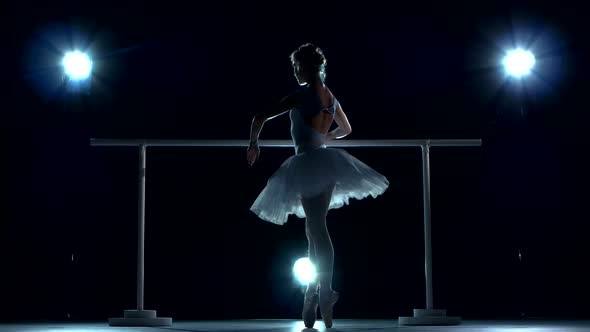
(323, 120)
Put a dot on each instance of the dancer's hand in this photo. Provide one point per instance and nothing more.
(253, 153)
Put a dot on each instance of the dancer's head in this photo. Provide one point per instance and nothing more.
(308, 63)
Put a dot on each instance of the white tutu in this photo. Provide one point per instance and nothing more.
(310, 173)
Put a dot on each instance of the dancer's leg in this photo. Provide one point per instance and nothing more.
(312, 287)
(316, 210)
(311, 300)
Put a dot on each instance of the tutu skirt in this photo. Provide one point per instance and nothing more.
(310, 173)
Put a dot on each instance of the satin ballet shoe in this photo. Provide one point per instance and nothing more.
(310, 308)
(327, 301)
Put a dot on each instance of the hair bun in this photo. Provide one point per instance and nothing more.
(316, 55)
(310, 56)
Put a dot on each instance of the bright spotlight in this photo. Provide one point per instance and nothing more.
(77, 65)
(518, 62)
(304, 271)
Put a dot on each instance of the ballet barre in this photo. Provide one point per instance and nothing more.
(427, 316)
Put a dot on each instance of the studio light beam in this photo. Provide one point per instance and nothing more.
(304, 271)
(77, 65)
(518, 62)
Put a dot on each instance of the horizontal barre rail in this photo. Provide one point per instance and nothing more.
(284, 143)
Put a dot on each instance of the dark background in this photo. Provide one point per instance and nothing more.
(202, 71)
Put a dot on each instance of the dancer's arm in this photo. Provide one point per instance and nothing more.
(284, 105)
(255, 129)
(343, 128)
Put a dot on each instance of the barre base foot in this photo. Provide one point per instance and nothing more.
(430, 317)
(140, 318)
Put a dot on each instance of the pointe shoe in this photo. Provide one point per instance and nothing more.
(310, 309)
(327, 301)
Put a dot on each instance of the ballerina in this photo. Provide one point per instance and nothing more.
(315, 179)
